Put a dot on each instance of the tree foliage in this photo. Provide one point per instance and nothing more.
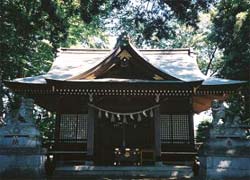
(208, 53)
(231, 31)
(24, 24)
(31, 31)
(203, 131)
(150, 21)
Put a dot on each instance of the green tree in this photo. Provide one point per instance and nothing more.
(203, 131)
(31, 31)
(208, 53)
(167, 24)
(148, 21)
(231, 31)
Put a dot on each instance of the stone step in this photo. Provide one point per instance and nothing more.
(166, 171)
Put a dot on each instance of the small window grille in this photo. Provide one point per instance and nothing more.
(175, 129)
(73, 127)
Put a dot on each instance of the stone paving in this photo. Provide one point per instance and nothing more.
(123, 173)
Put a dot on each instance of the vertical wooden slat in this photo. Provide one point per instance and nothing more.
(157, 134)
(90, 131)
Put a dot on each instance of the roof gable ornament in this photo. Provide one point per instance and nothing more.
(124, 55)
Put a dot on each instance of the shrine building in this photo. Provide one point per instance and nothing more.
(125, 106)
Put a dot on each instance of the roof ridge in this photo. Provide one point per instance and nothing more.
(144, 50)
(83, 49)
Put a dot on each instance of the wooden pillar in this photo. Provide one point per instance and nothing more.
(157, 138)
(191, 121)
(57, 127)
(90, 132)
(58, 120)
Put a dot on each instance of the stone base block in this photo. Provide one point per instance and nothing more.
(21, 166)
(123, 172)
(224, 167)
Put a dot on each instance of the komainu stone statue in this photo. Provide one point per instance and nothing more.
(226, 122)
(218, 112)
(20, 129)
(225, 154)
(20, 146)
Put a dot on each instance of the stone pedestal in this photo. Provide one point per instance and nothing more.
(225, 158)
(21, 165)
(21, 154)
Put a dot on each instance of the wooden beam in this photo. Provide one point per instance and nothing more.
(90, 131)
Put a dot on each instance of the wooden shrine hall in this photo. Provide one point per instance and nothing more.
(125, 106)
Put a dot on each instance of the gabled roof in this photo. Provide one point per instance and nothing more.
(94, 64)
(124, 71)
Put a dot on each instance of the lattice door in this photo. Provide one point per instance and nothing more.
(175, 129)
(73, 128)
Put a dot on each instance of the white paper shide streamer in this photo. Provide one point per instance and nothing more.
(125, 117)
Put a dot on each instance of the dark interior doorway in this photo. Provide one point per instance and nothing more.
(109, 136)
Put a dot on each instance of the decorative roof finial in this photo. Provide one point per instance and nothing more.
(122, 40)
